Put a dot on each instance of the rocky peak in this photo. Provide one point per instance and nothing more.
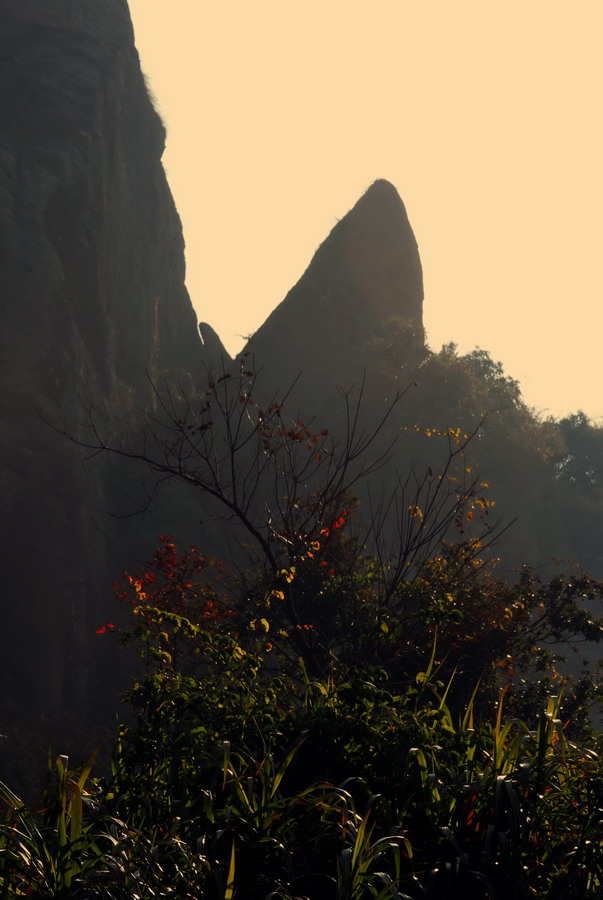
(214, 353)
(374, 252)
(366, 275)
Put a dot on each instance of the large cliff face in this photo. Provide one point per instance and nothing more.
(93, 302)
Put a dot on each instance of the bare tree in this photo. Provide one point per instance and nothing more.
(278, 487)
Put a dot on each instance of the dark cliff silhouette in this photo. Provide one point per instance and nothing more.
(94, 310)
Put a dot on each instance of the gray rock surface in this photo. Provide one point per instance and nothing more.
(93, 311)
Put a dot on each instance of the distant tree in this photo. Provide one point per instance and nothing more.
(581, 459)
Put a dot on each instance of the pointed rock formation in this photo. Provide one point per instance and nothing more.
(94, 310)
(364, 280)
(215, 356)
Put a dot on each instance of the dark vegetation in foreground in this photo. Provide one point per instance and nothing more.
(357, 705)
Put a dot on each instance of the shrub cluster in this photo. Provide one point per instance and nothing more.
(361, 712)
(398, 768)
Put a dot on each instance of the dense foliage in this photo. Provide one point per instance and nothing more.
(246, 781)
(350, 707)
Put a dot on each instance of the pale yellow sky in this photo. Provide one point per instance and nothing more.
(485, 115)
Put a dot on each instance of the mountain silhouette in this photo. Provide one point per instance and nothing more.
(366, 275)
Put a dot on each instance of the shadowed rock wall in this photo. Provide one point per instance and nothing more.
(93, 308)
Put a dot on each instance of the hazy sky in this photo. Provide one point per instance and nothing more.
(485, 115)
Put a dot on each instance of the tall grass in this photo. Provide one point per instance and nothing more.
(431, 805)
